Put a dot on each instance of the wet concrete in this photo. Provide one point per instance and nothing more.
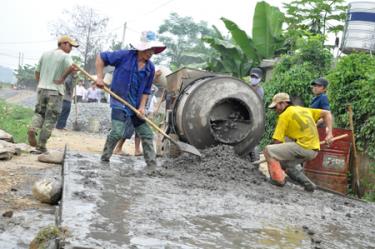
(28, 214)
(219, 201)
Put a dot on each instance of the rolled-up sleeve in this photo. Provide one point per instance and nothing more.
(113, 58)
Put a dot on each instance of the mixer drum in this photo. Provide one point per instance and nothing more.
(222, 109)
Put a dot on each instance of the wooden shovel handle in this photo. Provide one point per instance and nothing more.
(106, 89)
(336, 138)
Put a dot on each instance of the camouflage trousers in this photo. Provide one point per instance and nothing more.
(143, 131)
(47, 111)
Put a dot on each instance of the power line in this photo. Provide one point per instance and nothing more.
(155, 9)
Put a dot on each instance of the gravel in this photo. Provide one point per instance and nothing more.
(90, 117)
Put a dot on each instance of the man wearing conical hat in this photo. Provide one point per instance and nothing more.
(132, 81)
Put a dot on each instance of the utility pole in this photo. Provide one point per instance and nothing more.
(123, 36)
(19, 60)
(88, 41)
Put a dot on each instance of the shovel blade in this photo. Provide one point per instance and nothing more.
(76, 126)
(184, 147)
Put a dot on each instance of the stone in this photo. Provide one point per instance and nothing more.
(51, 157)
(8, 214)
(6, 136)
(47, 191)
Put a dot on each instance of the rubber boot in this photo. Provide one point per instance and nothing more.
(117, 130)
(301, 178)
(277, 174)
(109, 146)
(147, 139)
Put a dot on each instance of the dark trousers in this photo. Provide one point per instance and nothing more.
(61, 121)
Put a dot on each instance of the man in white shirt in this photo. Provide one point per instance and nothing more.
(93, 94)
(80, 92)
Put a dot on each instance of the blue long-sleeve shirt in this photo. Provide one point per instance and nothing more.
(128, 82)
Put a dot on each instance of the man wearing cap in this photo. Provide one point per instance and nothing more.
(53, 67)
(320, 101)
(299, 125)
(319, 88)
(132, 81)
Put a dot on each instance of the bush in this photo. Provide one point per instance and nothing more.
(353, 82)
(15, 120)
(293, 75)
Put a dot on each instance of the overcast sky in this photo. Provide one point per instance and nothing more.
(24, 23)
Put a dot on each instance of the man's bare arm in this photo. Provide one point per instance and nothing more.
(99, 64)
(328, 121)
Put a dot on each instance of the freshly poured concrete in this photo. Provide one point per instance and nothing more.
(219, 201)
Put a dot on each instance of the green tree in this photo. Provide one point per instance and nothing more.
(182, 36)
(87, 27)
(311, 17)
(353, 82)
(238, 54)
(227, 57)
(25, 75)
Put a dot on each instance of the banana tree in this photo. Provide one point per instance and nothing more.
(238, 54)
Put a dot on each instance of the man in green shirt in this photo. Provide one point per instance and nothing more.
(53, 67)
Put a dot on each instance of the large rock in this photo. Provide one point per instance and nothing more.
(7, 150)
(15, 148)
(6, 136)
(47, 191)
(52, 157)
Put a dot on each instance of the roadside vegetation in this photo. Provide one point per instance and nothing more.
(15, 119)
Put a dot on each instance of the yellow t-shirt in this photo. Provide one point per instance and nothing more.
(299, 123)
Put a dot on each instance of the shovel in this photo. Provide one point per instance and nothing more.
(76, 126)
(181, 146)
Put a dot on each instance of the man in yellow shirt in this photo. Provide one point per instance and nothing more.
(298, 124)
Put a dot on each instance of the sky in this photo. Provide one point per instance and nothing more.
(24, 23)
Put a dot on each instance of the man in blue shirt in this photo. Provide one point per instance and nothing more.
(319, 88)
(132, 81)
(320, 101)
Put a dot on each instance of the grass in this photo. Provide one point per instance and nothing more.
(15, 119)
